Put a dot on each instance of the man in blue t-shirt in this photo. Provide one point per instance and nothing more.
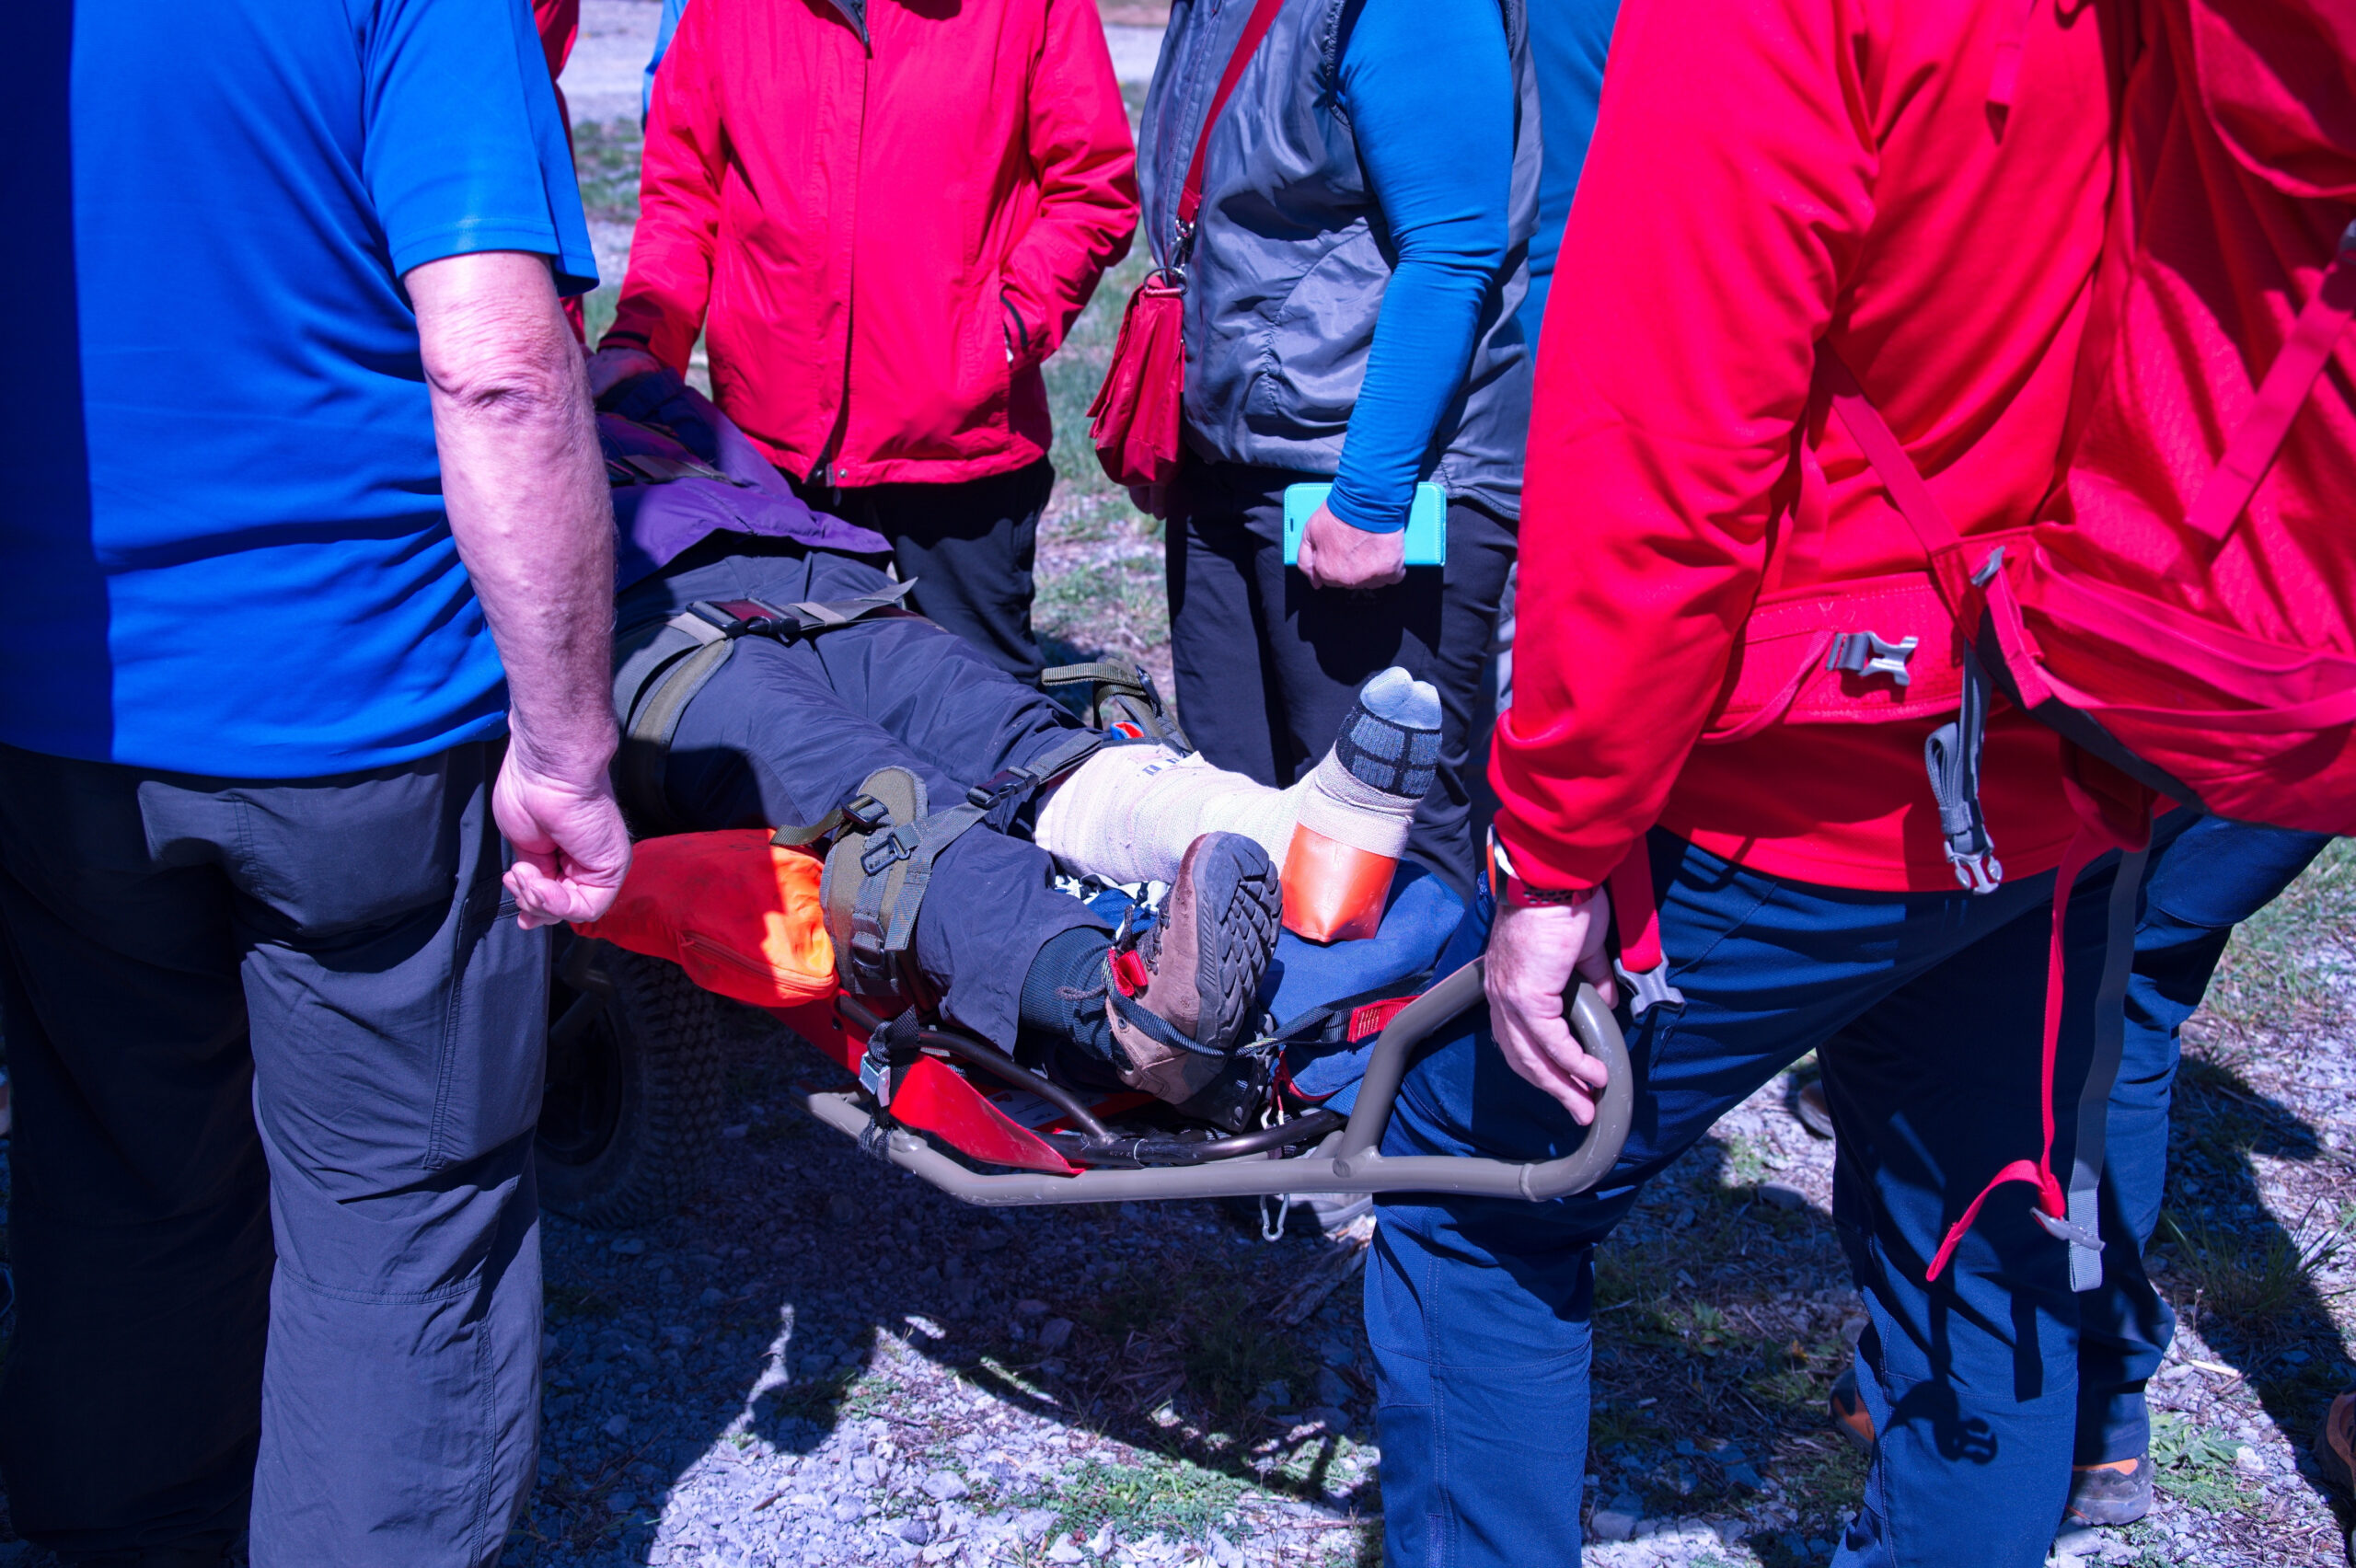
(305, 514)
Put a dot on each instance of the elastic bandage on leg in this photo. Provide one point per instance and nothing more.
(1128, 812)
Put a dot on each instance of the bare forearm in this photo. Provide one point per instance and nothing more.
(525, 488)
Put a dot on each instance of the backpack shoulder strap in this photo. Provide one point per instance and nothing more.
(2253, 446)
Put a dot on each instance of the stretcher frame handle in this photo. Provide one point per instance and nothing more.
(1349, 1161)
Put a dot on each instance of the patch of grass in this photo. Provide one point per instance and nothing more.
(605, 157)
(2193, 1466)
(2248, 1281)
(2293, 960)
(1160, 1492)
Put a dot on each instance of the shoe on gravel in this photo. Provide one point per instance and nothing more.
(2335, 1448)
(1849, 1412)
(1180, 1000)
(2115, 1493)
(1811, 1110)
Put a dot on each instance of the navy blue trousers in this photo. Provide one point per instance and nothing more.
(276, 1052)
(2207, 876)
(1479, 1311)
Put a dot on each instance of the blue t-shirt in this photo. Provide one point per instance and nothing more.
(222, 548)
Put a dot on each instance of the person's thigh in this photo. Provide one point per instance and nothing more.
(398, 1017)
(138, 1222)
(1219, 638)
(972, 547)
(771, 740)
(1974, 1385)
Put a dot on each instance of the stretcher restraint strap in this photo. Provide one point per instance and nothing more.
(670, 673)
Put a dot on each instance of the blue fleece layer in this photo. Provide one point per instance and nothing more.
(1429, 88)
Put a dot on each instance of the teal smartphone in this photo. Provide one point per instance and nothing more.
(1426, 522)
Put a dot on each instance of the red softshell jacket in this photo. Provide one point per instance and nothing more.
(864, 210)
(1851, 184)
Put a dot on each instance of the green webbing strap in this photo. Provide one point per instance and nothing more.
(646, 745)
(1102, 670)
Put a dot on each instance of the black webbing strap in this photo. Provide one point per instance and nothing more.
(655, 684)
(2102, 1072)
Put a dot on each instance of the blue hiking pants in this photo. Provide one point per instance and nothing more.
(2207, 876)
(1478, 1311)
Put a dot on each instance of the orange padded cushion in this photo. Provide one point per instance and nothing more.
(738, 914)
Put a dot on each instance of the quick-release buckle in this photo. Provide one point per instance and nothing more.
(1980, 873)
(739, 617)
(1864, 653)
(997, 787)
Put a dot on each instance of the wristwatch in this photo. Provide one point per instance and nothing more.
(1511, 891)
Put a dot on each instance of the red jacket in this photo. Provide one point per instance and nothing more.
(1847, 184)
(863, 223)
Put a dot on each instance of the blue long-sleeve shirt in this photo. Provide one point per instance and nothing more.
(1568, 41)
(1428, 89)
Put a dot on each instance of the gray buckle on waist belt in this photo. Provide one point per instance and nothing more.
(653, 687)
(1864, 653)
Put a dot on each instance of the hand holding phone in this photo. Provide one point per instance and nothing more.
(1426, 522)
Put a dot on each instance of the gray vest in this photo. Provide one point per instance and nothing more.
(1288, 269)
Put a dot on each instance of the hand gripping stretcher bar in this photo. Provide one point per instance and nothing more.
(1346, 1160)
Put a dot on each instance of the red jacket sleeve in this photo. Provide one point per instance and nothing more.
(669, 282)
(1079, 141)
(1720, 206)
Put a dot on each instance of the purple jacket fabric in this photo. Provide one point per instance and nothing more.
(681, 472)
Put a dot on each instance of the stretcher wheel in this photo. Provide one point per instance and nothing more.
(632, 1107)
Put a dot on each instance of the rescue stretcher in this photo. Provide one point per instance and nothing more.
(956, 1111)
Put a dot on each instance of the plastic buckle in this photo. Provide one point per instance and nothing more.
(1648, 987)
(866, 812)
(997, 787)
(1864, 653)
(2062, 1229)
(1979, 872)
(896, 845)
(892, 1050)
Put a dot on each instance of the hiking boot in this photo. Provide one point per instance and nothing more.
(2118, 1492)
(1849, 1412)
(1181, 999)
(1810, 1108)
(2335, 1445)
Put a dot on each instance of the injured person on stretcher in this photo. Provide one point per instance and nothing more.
(767, 676)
